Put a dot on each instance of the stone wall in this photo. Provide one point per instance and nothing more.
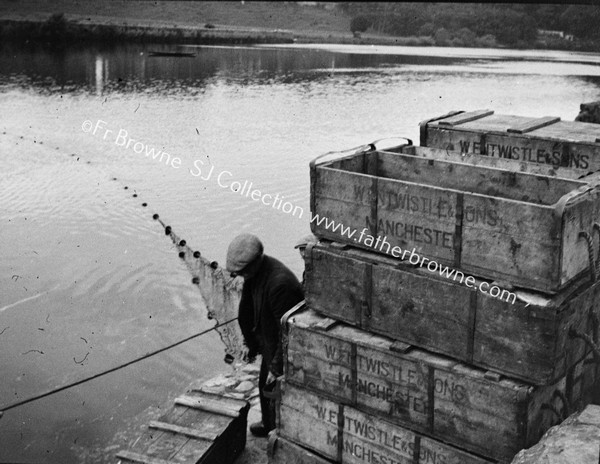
(575, 441)
(589, 112)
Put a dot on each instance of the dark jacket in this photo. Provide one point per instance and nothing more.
(266, 297)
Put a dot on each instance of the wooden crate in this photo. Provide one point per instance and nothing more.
(525, 336)
(445, 399)
(201, 428)
(520, 228)
(348, 436)
(545, 141)
(282, 451)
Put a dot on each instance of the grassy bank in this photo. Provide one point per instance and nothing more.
(167, 21)
(208, 23)
(262, 15)
(60, 31)
(182, 22)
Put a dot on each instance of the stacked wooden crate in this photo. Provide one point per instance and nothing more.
(481, 338)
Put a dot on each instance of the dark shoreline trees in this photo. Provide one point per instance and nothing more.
(483, 24)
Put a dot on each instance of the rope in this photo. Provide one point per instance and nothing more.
(553, 409)
(565, 402)
(360, 149)
(595, 322)
(588, 340)
(566, 406)
(112, 369)
(596, 228)
(591, 257)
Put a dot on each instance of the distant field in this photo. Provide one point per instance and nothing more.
(236, 22)
(267, 15)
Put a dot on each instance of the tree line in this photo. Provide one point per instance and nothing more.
(478, 24)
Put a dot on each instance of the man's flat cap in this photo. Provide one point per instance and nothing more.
(242, 250)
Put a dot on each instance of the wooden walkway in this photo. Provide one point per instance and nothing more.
(206, 425)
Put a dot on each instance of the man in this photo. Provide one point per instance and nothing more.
(270, 290)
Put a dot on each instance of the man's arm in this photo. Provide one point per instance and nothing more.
(246, 322)
(283, 298)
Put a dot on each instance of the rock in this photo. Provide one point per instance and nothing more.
(244, 386)
(251, 369)
(255, 393)
(589, 112)
(221, 381)
(213, 390)
(575, 441)
(237, 396)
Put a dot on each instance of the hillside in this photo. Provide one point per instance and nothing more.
(570, 27)
(264, 15)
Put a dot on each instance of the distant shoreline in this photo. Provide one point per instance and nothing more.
(95, 29)
(65, 30)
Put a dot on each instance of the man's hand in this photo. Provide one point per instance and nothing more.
(270, 378)
(247, 356)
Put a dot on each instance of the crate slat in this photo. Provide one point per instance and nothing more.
(206, 404)
(494, 162)
(465, 117)
(282, 451)
(187, 431)
(533, 125)
(130, 456)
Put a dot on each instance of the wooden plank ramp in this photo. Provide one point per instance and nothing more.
(205, 425)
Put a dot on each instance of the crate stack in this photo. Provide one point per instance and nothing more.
(456, 324)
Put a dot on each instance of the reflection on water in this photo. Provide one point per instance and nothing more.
(131, 67)
(449, 52)
(89, 279)
(83, 291)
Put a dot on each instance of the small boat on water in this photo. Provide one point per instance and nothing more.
(176, 54)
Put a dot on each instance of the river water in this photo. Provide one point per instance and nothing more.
(88, 280)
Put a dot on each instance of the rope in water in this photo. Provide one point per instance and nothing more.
(112, 369)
